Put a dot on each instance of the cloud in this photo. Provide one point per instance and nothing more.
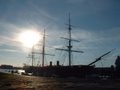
(90, 8)
(7, 32)
(97, 39)
(110, 35)
(7, 44)
(8, 50)
(40, 12)
(88, 39)
(8, 38)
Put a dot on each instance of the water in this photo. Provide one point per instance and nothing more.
(7, 70)
(19, 71)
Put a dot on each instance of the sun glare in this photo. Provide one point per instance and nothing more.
(29, 38)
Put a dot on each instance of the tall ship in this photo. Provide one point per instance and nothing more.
(81, 71)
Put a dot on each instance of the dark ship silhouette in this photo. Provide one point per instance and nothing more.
(81, 71)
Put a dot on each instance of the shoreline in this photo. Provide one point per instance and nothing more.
(21, 82)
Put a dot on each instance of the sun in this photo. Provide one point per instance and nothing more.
(29, 38)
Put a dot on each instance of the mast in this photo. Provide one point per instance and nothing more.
(69, 50)
(69, 46)
(33, 55)
(43, 49)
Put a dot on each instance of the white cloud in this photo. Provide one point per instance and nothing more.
(8, 50)
(4, 40)
(8, 37)
(97, 39)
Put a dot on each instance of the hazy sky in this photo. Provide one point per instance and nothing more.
(96, 24)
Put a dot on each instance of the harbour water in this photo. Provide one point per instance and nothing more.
(18, 71)
(7, 70)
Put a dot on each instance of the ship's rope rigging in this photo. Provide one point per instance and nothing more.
(69, 45)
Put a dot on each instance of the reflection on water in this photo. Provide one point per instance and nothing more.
(19, 71)
(7, 70)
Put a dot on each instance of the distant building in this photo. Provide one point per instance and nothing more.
(6, 67)
(117, 62)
